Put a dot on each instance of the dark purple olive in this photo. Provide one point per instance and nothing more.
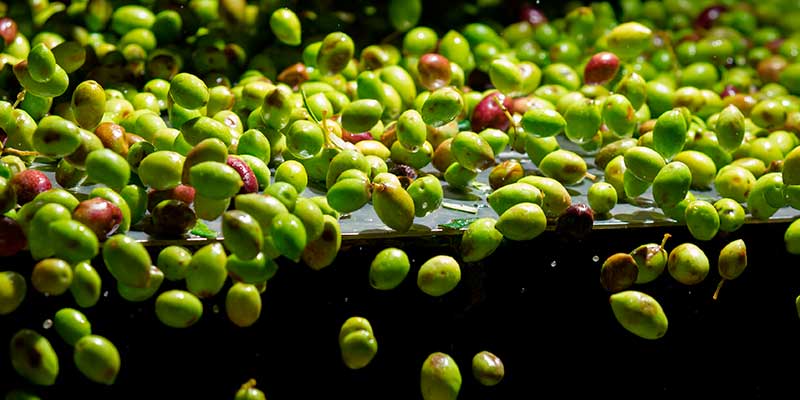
(489, 114)
(27, 184)
(532, 15)
(12, 239)
(405, 173)
(575, 222)
(706, 18)
(100, 215)
(248, 177)
(184, 193)
(479, 80)
(434, 71)
(172, 217)
(601, 68)
(729, 90)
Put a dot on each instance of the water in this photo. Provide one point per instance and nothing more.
(48, 323)
(595, 258)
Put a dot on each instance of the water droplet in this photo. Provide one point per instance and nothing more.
(215, 309)
(522, 290)
(553, 264)
(346, 299)
(47, 295)
(48, 323)
(595, 258)
(105, 294)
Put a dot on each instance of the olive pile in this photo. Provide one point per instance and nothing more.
(156, 118)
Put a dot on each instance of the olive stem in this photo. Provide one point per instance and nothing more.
(249, 384)
(591, 176)
(20, 98)
(324, 126)
(512, 124)
(20, 153)
(716, 292)
(392, 36)
(671, 50)
(664, 240)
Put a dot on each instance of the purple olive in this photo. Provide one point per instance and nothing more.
(729, 90)
(100, 215)
(27, 184)
(172, 217)
(405, 173)
(479, 80)
(489, 114)
(12, 239)
(706, 18)
(532, 15)
(575, 222)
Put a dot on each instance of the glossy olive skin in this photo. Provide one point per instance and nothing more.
(97, 358)
(640, 314)
(33, 357)
(440, 378)
(178, 309)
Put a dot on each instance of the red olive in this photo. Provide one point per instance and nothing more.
(248, 177)
(356, 137)
(706, 18)
(100, 215)
(8, 29)
(489, 114)
(27, 184)
(532, 15)
(601, 68)
(434, 71)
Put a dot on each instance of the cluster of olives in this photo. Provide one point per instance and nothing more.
(33, 356)
(640, 313)
(159, 120)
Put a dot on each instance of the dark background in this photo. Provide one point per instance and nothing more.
(551, 325)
